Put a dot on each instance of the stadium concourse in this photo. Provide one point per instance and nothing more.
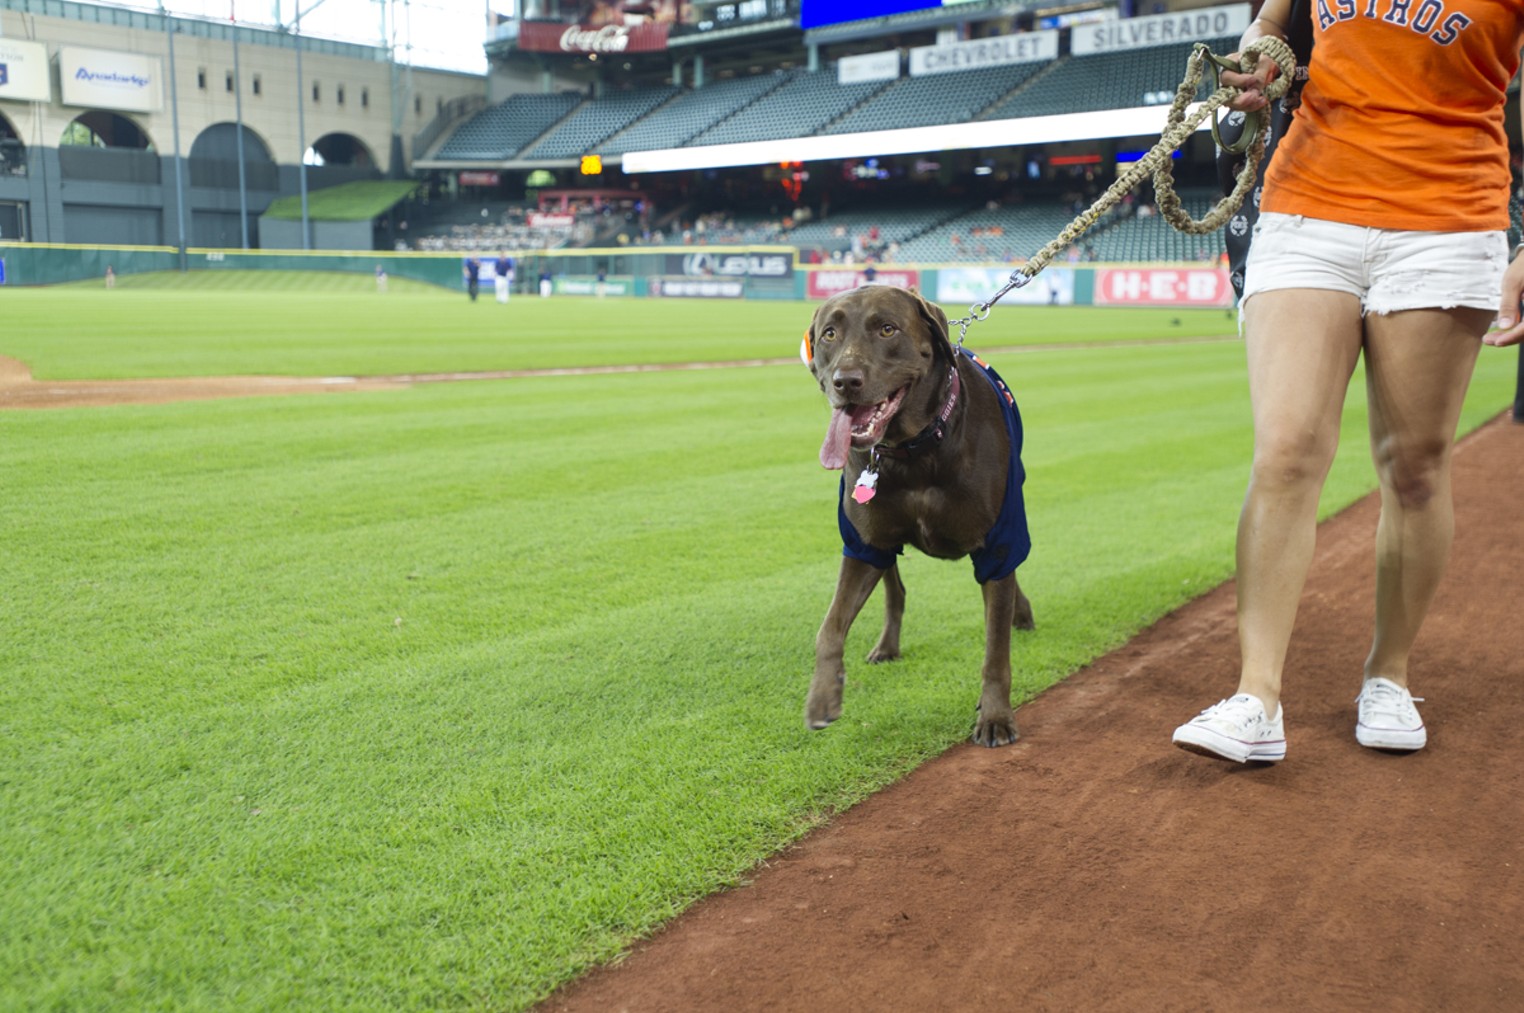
(1092, 866)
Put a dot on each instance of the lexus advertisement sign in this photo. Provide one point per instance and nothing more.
(730, 265)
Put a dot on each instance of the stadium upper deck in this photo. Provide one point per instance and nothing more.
(659, 86)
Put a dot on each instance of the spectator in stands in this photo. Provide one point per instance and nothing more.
(503, 268)
(472, 269)
(1374, 240)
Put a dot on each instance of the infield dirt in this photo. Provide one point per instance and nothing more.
(1093, 866)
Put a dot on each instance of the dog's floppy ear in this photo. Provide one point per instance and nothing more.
(936, 322)
(807, 346)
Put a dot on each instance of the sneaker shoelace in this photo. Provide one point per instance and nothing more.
(1388, 701)
(1238, 711)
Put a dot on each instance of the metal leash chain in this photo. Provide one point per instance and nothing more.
(1158, 162)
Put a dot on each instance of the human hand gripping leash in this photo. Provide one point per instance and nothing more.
(1157, 161)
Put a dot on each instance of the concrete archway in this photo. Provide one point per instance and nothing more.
(214, 159)
(98, 128)
(340, 149)
(12, 149)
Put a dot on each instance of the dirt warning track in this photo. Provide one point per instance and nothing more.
(1093, 866)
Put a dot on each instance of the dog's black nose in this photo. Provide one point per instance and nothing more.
(847, 379)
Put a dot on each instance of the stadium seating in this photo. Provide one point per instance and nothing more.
(803, 103)
(690, 113)
(897, 226)
(593, 122)
(935, 98)
(1147, 236)
(799, 108)
(1125, 80)
(501, 131)
(989, 235)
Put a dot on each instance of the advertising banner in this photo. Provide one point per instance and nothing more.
(549, 37)
(589, 286)
(540, 220)
(1158, 286)
(697, 288)
(1030, 47)
(24, 72)
(101, 79)
(1160, 30)
(965, 286)
(884, 66)
(479, 178)
(730, 265)
(824, 284)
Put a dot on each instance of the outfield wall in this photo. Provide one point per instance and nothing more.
(712, 272)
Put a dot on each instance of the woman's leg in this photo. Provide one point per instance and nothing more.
(1418, 365)
(1302, 348)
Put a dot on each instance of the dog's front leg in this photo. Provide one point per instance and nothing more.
(996, 725)
(855, 583)
(888, 646)
(1023, 620)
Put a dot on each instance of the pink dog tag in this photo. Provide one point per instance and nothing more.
(866, 488)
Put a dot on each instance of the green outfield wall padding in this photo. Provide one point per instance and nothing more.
(744, 272)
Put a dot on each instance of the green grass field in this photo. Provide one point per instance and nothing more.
(317, 324)
(434, 698)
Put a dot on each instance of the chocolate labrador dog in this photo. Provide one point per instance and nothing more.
(929, 444)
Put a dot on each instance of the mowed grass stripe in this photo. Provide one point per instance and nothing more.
(291, 329)
(234, 779)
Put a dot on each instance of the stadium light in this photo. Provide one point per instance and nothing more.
(174, 126)
(243, 183)
(301, 114)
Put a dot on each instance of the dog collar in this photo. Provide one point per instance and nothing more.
(932, 434)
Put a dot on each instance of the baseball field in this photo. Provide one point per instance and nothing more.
(371, 651)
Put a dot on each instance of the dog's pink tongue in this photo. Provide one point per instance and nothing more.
(838, 440)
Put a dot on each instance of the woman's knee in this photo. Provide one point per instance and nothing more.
(1412, 471)
(1291, 462)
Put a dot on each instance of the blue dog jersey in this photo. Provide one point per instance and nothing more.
(1007, 544)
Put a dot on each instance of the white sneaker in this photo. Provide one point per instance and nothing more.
(1235, 729)
(1388, 719)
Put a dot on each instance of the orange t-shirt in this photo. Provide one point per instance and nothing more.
(1401, 122)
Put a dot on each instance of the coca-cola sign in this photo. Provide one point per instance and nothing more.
(548, 37)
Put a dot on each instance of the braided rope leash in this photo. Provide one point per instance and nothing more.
(1157, 162)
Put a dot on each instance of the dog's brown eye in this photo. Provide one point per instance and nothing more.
(829, 334)
(887, 330)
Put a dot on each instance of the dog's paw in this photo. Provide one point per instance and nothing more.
(815, 722)
(994, 732)
(881, 654)
(823, 705)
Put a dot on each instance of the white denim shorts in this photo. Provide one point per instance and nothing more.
(1389, 270)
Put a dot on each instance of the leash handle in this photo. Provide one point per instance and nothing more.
(1254, 120)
